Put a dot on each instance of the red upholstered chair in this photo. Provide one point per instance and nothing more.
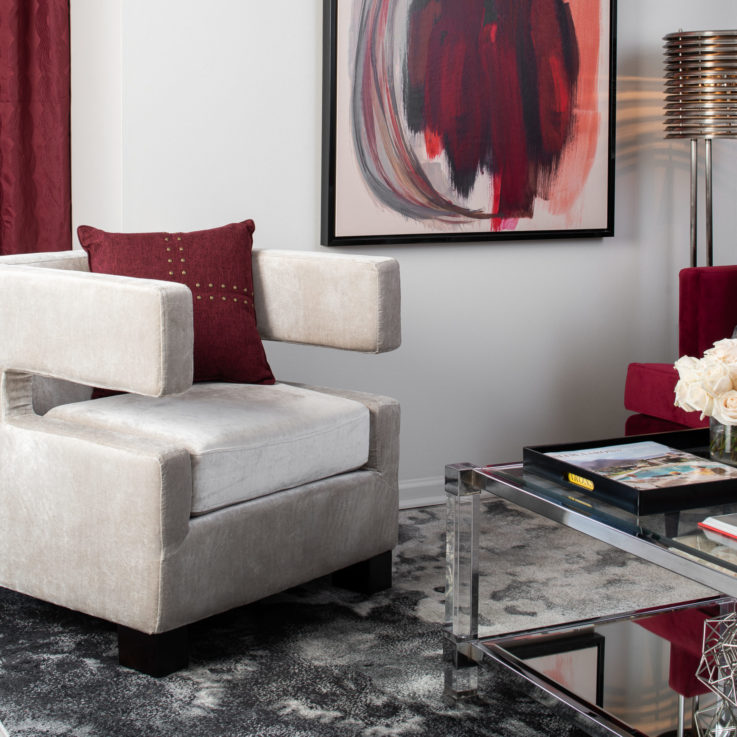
(707, 312)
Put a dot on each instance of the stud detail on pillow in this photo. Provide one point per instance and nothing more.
(216, 265)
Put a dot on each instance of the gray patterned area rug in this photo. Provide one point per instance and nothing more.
(320, 661)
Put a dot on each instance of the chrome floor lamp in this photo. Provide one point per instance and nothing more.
(701, 103)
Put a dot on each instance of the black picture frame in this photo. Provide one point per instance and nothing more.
(333, 160)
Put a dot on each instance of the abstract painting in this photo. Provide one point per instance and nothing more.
(464, 120)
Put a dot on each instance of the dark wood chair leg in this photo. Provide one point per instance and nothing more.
(368, 576)
(155, 655)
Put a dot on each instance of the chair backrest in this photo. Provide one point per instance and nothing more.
(347, 301)
(707, 307)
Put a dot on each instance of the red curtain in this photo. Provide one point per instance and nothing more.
(35, 176)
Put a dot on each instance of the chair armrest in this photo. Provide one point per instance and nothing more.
(328, 299)
(85, 508)
(75, 260)
(114, 332)
(385, 417)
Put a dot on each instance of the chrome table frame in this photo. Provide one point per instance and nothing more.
(463, 649)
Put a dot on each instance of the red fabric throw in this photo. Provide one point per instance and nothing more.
(216, 265)
(35, 179)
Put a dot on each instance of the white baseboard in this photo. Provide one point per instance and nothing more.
(421, 492)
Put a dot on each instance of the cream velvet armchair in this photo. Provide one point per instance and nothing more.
(170, 503)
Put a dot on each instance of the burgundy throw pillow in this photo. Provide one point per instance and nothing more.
(216, 265)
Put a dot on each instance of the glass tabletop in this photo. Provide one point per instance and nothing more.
(702, 555)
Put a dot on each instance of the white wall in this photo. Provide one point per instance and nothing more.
(211, 113)
(97, 112)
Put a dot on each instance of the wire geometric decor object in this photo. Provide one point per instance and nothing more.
(716, 720)
(718, 671)
(718, 667)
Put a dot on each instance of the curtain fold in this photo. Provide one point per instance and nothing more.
(35, 160)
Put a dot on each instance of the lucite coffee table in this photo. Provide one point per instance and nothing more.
(671, 540)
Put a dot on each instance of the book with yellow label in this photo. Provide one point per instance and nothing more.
(642, 475)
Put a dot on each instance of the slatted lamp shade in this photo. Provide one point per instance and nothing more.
(701, 103)
(701, 84)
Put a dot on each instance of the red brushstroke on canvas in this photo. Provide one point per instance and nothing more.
(508, 158)
(433, 144)
(556, 75)
(473, 66)
(382, 130)
(579, 156)
(500, 88)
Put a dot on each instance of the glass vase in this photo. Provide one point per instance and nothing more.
(722, 442)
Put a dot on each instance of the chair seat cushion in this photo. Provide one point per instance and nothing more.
(650, 390)
(245, 440)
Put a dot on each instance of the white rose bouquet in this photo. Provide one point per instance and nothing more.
(709, 385)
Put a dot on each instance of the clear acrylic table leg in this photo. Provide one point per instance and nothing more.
(461, 580)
